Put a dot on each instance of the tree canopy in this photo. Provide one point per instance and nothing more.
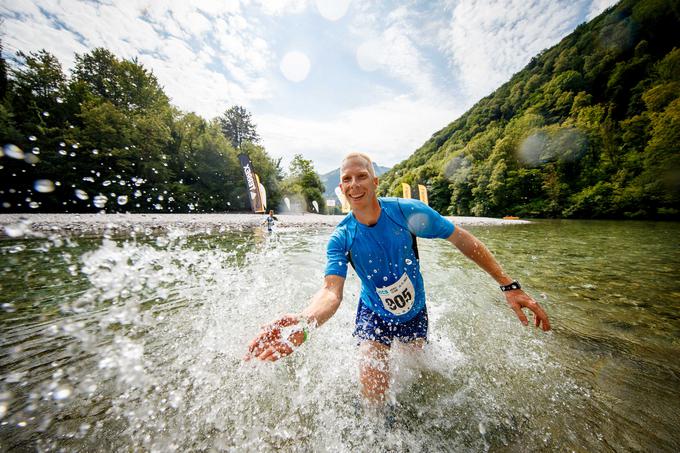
(105, 137)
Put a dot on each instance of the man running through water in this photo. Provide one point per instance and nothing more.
(378, 238)
(270, 220)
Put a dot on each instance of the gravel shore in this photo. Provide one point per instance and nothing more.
(17, 225)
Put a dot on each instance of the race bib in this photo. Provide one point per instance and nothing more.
(398, 297)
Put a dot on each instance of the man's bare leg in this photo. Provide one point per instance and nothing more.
(374, 371)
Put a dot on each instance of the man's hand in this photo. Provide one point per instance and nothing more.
(518, 299)
(269, 344)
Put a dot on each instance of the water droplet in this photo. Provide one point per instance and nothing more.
(106, 183)
(16, 230)
(408, 262)
(138, 193)
(95, 151)
(122, 200)
(33, 138)
(384, 279)
(46, 114)
(62, 392)
(62, 152)
(43, 186)
(191, 207)
(81, 194)
(8, 307)
(74, 146)
(62, 144)
(31, 158)
(34, 205)
(36, 150)
(158, 207)
(100, 201)
(13, 151)
(59, 101)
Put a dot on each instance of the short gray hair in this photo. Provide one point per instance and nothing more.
(364, 156)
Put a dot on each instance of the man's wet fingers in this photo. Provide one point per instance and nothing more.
(520, 314)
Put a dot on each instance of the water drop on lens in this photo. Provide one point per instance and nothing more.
(122, 200)
(32, 138)
(13, 151)
(81, 194)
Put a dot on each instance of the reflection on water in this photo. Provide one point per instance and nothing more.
(115, 343)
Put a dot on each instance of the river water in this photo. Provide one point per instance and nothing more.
(119, 343)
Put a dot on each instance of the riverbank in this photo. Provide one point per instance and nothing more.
(17, 225)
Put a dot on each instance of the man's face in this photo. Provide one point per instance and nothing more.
(357, 183)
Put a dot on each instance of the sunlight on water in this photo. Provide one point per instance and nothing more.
(122, 344)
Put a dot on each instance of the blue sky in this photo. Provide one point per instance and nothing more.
(321, 77)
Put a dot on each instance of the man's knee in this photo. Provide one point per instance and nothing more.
(374, 374)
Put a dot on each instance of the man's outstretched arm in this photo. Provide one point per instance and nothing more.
(270, 345)
(474, 249)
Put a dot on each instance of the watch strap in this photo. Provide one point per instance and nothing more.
(511, 286)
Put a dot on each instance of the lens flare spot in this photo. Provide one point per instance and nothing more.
(332, 9)
(295, 66)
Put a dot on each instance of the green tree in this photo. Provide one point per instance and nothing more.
(238, 126)
(304, 181)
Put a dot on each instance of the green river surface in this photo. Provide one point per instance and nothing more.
(136, 344)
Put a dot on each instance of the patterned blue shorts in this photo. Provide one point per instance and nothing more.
(370, 326)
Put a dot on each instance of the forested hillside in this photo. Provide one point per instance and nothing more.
(590, 128)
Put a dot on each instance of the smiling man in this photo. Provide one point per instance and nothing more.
(378, 238)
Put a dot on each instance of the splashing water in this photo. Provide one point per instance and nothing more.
(138, 345)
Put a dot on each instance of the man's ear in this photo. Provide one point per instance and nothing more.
(376, 181)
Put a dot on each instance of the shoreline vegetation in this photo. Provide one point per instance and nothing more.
(39, 225)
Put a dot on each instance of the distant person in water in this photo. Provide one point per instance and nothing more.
(270, 220)
(378, 238)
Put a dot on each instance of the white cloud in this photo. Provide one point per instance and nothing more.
(598, 6)
(392, 43)
(282, 7)
(389, 131)
(489, 40)
(170, 38)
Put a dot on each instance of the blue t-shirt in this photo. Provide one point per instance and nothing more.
(383, 255)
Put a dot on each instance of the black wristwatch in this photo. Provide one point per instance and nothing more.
(514, 285)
